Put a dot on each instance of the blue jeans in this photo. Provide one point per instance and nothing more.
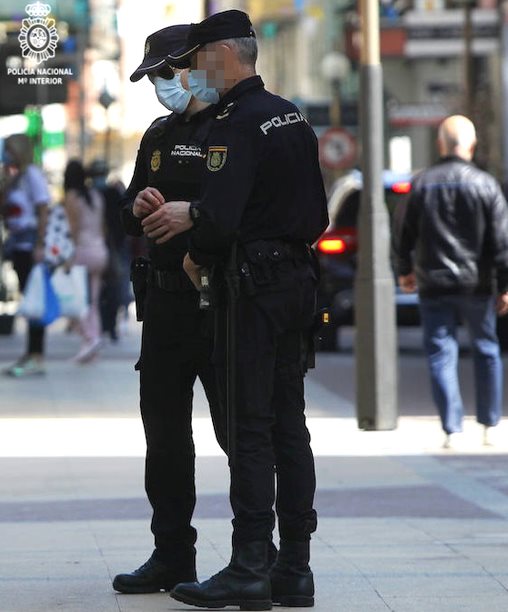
(440, 318)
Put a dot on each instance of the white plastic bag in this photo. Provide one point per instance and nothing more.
(71, 288)
(33, 301)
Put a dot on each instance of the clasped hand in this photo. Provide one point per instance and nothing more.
(161, 220)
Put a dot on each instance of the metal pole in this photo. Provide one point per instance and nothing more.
(504, 86)
(376, 356)
(468, 60)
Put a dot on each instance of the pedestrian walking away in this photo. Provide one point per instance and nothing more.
(25, 200)
(453, 249)
(116, 278)
(177, 336)
(262, 198)
(85, 211)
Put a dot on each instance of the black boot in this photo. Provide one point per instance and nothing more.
(291, 577)
(244, 582)
(154, 576)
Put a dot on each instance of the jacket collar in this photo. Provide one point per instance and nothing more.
(253, 82)
(454, 158)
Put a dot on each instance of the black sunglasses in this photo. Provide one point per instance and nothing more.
(164, 72)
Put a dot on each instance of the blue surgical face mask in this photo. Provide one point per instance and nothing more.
(199, 88)
(172, 94)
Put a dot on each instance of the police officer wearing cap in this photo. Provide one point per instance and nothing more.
(262, 197)
(176, 340)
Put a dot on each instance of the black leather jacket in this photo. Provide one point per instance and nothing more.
(455, 231)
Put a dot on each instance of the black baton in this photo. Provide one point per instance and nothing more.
(232, 286)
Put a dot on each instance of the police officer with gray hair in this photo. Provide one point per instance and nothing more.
(177, 336)
(261, 208)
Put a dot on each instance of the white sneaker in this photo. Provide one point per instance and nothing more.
(88, 351)
(488, 435)
(452, 440)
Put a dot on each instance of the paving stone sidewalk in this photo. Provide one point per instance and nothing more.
(404, 526)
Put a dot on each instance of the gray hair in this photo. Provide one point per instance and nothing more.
(245, 48)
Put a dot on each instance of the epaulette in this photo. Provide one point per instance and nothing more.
(158, 126)
(227, 110)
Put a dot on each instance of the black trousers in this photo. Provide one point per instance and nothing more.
(176, 349)
(23, 262)
(274, 461)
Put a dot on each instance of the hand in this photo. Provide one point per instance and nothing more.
(170, 219)
(407, 283)
(193, 271)
(147, 202)
(502, 304)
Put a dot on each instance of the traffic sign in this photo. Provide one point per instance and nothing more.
(337, 149)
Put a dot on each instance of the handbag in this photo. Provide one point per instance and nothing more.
(39, 303)
(71, 288)
(58, 244)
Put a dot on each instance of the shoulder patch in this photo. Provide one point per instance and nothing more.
(216, 158)
(226, 111)
(155, 162)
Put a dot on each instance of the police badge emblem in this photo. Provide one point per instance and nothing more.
(155, 162)
(216, 158)
(38, 36)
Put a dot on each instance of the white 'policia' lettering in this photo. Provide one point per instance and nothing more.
(281, 121)
(181, 150)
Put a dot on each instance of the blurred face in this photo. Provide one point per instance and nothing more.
(10, 167)
(218, 63)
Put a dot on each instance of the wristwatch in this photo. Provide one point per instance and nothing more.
(194, 213)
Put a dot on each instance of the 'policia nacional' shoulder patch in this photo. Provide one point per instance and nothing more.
(216, 158)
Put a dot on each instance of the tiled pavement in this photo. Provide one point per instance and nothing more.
(404, 525)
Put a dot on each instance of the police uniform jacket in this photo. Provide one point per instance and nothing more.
(262, 177)
(169, 158)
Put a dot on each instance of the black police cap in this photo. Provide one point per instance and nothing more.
(157, 47)
(221, 26)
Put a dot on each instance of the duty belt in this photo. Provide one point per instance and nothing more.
(171, 280)
(275, 250)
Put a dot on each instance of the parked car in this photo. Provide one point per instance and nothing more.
(337, 252)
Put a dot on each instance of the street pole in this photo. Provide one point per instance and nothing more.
(376, 355)
(468, 60)
(503, 13)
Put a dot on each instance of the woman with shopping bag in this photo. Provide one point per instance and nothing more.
(85, 211)
(25, 201)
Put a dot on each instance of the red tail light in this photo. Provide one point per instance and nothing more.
(332, 245)
(337, 242)
(403, 187)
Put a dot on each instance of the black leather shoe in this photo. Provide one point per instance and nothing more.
(291, 578)
(244, 582)
(151, 577)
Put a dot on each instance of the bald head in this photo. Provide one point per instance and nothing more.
(457, 136)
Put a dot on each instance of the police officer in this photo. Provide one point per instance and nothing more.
(175, 345)
(262, 192)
